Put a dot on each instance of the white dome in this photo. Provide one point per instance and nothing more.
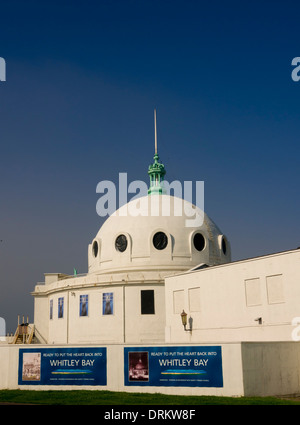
(157, 233)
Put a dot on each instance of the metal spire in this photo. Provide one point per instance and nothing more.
(155, 132)
(157, 170)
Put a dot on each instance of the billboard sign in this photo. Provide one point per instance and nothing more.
(62, 366)
(193, 366)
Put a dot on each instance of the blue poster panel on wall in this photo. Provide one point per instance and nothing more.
(173, 366)
(62, 366)
(108, 303)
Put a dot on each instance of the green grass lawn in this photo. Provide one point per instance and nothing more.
(81, 397)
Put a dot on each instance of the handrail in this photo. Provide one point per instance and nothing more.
(15, 336)
(30, 335)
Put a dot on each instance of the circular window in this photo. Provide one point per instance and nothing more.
(160, 240)
(95, 248)
(224, 246)
(121, 243)
(199, 242)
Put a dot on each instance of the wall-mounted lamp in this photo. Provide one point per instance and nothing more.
(259, 320)
(184, 321)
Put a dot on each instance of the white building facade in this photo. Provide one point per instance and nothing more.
(250, 300)
(122, 297)
(119, 326)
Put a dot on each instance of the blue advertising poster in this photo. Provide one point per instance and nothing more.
(108, 303)
(84, 305)
(62, 366)
(173, 366)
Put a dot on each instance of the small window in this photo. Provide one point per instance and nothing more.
(160, 240)
(60, 308)
(95, 249)
(224, 246)
(51, 309)
(147, 302)
(199, 242)
(107, 303)
(121, 243)
(84, 305)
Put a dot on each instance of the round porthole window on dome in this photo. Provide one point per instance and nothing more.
(95, 249)
(121, 243)
(160, 240)
(224, 246)
(199, 241)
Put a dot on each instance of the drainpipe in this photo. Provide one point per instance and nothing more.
(124, 328)
(68, 315)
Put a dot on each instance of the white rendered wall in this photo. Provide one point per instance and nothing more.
(144, 328)
(249, 369)
(231, 365)
(41, 318)
(125, 324)
(271, 368)
(224, 301)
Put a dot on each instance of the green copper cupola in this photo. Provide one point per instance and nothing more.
(156, 173)
(156, 170)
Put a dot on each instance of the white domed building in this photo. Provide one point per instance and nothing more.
(162, 307)
(122, 297)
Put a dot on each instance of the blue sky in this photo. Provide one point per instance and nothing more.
(83, 78)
